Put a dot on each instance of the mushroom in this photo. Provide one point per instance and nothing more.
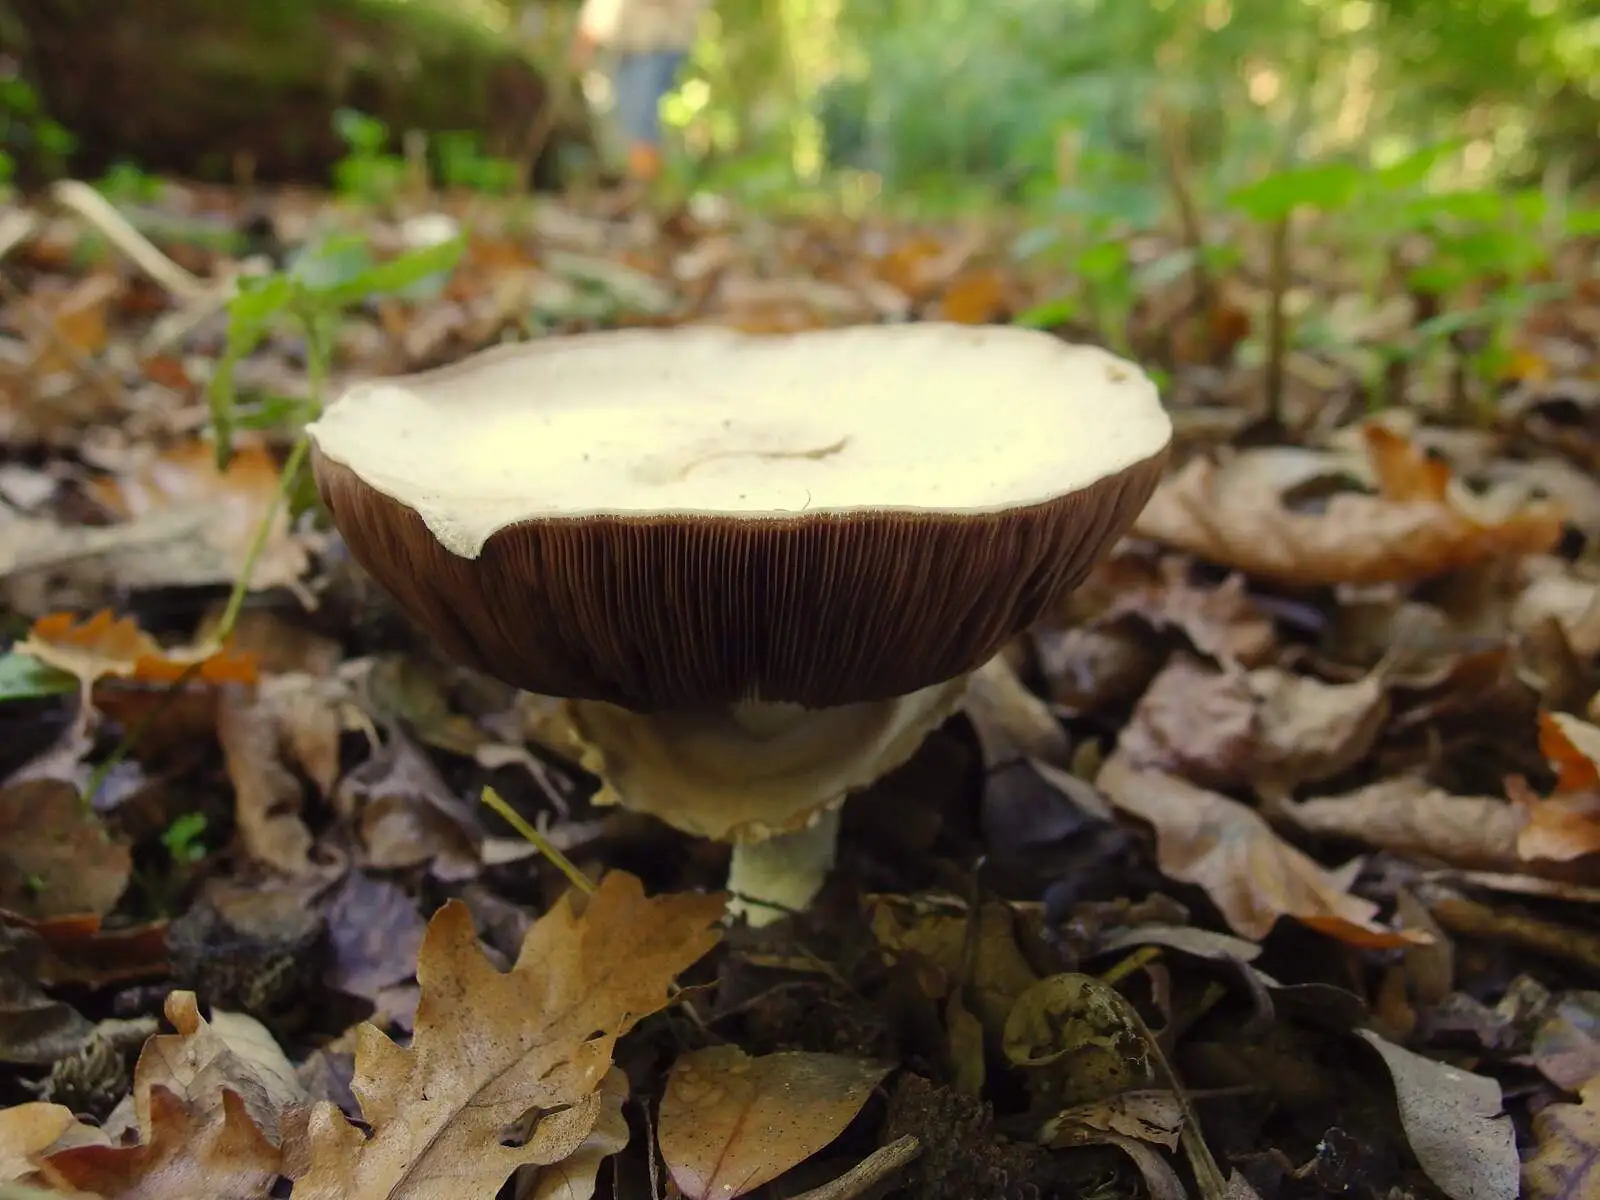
(757, 570)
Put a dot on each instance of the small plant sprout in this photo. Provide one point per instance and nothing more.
(754, 591)
(369, 171)
(182, 838)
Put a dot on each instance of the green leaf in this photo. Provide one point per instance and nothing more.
(23, 677)
(1327, 186)
(1583, 222)
(182, 837)
(1049, 314)
(359, 131)
(329, 262)
(1413, 170)
(273, 412)
(1102, 262)
(394, 275)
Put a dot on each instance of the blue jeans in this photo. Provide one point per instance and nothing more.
(640, 81)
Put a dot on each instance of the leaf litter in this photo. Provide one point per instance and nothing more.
(1313, 756)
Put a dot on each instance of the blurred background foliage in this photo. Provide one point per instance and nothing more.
(1024, 97)
(960, 102)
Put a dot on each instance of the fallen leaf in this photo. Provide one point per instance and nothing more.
(206, 1061)
(267, 796)
(730, 1123)
(1079, 1041)
(1453, 1121)
(1559, 829)
(489, 1047)
(952, 948)
(1195, 721)
(1409, 817)
(1566, 1047)
(981, 296)
(574, 1177)
(1238, 514)
(1092, 669)
(26, 1132)
(1267, 728)
(35, 1030)
(407, 816)
(1565, 1164)
(56, 858)
(1573, 748)
(1149, 1116)
(78, 321)
(1573, 604)
(105, 646)
(78, 950)
(1221, 622)
(375, 933)
(237, 501)
(1566, 825)
(1129, 1122)
(1312, 730)
(1253, 876)
(182, 1156)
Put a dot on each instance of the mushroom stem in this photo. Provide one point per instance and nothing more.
(780, 875)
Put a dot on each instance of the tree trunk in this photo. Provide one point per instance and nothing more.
(195, 87)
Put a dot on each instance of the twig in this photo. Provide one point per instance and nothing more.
(1194, 234)
(1277, 317)
(16, 227)
(1213, 1185)
(80, 198)
(538, 840)
(867, 1173)
(650, 1153)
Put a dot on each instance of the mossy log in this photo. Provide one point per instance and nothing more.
(197, 87)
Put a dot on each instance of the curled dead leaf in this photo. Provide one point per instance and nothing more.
(104, 646)
(1251, 874)
(1417, 526)
(1565, 826)
(182, 1155)
(1268, 728)
(1407, 816)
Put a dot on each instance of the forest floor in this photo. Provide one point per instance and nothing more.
(1268, 866)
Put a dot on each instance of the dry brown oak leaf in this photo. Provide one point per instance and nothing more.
(1415, 527)
(26, 1131)
(185, 1154)
(490, 1047)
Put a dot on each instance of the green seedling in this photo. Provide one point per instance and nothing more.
(368, 171)
(310, 294)
(182, 838)
(26, 130)
(464, 165)
(125, 183)
(317, 286)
